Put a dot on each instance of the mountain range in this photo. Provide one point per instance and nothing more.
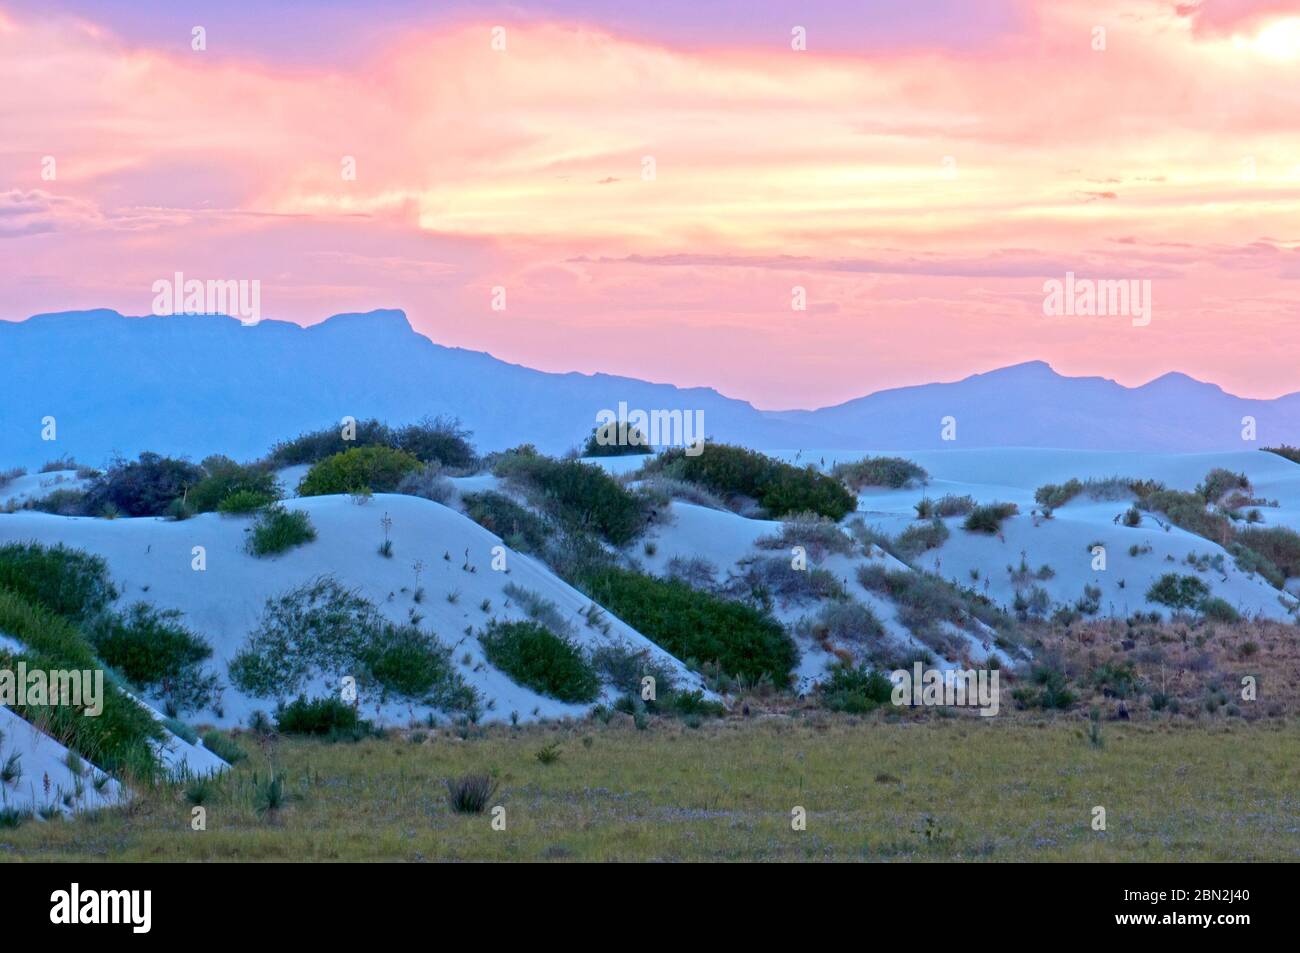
(199, 384)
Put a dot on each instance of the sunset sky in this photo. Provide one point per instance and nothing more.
(922, 168)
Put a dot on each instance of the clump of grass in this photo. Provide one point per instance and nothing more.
(278, 530)
(548, 753)
(988, 517)
(224, 747)
(892, 472)
(818, 535)
(855, 690)
(328, 717)
(470, 793)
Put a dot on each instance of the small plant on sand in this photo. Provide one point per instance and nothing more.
(279, 529)
(386, 547)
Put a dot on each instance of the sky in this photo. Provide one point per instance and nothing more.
(655, 189)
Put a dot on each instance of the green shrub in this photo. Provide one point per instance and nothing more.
(377, 469)
(224, 479)
(470, 793)
(69, 582)
(988, 518)
(1187, 511)
(846, 621)
(1278, 544)
(818, 536)
(316, 445)
(924, 602)
(1217, 609)
(1178, 592)
(951, 505)
(322, 629)
(1048, 688)
(118, 740)
(1053, 495)
(439, 440)
(616, 440)
(537, 658)
(143, 487)
(580, 496)
(279, 529)
(521, 529)
(745, 642)
(892, 472)
(224, 747)
(319, 716)
(1218, 482)
(156, 653)
(779, 487)
(855, 690)
(919, 538)
(245, 502)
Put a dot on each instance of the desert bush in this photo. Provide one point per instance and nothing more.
(377, 469)
(537, 658)
(119, 739)
(695, 571)
(988, 518)
(892, 472)
(520, 528)
(846, 621)
(1278, 544)
(668, 488)
(1218, 482)
(142, 487)
(322, 629)
(818, 536)
(1053, 495)
(427, 483)
(69, 582)
(925, 601)
(155, 652)
(762, 578)
(950, 505)
(1218, 609)
(411, 663)
(1187, 511)
(245, 502)
(855, 690)
(580, 496)
(471, 793)
(13, 473)
(616, 440)
(1047, 688)
(539, 609)
(778, 487)
(329, 716)
(919, 538)
(279, 529)
(224, 478)
(1178, 592)
(64, 502)
(440, 440)
(224, 747)
(625, 667)
(744, 641)
(316, 445)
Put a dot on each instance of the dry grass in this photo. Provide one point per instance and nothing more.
(880, 788)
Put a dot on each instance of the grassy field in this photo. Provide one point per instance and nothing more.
(874, 789)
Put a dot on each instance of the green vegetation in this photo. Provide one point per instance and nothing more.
(1180, 593)
(537, 658)
(696, 626)
(778, 487)
(616, 440)
(580, 496)
(143, 487)
(279, 529)
(925, 602)
(322, 629)
(118, 738)
(330, 717)
(987, 518)
(69, 582)
(228, 487)
(1285, 451)
(440, 439)
(155, 652)
(919, 538)
(855, 690)
(892, 472)
(521, 529)
(373, 469)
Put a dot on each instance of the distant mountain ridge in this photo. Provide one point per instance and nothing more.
(200, 384)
